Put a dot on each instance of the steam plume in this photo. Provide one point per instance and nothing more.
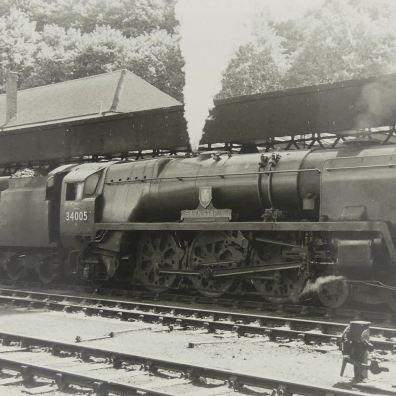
(378, 105)
(210, 31)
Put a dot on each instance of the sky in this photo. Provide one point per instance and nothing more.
(211, 31)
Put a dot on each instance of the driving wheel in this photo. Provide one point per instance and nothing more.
(279, 286)
(213, 251)
(156, 252)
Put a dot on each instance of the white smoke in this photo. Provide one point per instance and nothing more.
(378, 103)
(211, 30)
(313, 287)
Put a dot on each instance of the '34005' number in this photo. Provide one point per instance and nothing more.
(77, 215)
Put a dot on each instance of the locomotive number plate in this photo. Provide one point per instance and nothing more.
(76, 215)
(206, 214)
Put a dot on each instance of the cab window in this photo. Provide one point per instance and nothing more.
(74, 191)
(91, 184)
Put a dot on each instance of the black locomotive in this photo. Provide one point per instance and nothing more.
(277, 223)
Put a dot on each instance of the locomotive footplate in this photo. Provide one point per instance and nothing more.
(233, 271)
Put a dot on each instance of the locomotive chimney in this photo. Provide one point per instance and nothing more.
(11, 95)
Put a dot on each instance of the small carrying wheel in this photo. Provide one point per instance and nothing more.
(48, 269)
(334, 293)
(15, 268)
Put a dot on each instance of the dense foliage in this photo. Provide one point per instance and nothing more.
(342, 39)
(49, 41)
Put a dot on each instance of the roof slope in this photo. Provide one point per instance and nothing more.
(117, 92)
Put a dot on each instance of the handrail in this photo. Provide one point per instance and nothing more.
(361, 167)
(222, 176)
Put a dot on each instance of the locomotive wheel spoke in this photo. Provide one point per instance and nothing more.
(284, 287)
(276, 287)
(157, 251)
(212, 247)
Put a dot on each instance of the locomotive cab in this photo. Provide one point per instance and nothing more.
(80, 199)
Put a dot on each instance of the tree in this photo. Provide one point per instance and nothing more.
(131, 17)
(252, 70)
(156, 57)
(54, 57)
(18, 40)
(341, 39)
(58, 40)
(103, 50)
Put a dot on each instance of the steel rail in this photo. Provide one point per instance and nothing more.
(236, 380)
(377, 317)
(64, 377)
(242, 323)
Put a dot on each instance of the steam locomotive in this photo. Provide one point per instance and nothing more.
(272, 223)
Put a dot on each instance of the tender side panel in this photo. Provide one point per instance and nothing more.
(24, 213)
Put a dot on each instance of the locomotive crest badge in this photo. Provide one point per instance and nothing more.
(205, 196)
(206, 211)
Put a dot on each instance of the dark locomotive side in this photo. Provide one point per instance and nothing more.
(278, 224)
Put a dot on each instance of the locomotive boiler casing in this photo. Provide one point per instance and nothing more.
(158, 189)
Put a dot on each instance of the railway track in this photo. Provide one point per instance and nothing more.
(274, 327)
(30, 361)
(379, 317)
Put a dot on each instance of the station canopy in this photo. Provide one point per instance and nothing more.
(339, 109)
(106, 114)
